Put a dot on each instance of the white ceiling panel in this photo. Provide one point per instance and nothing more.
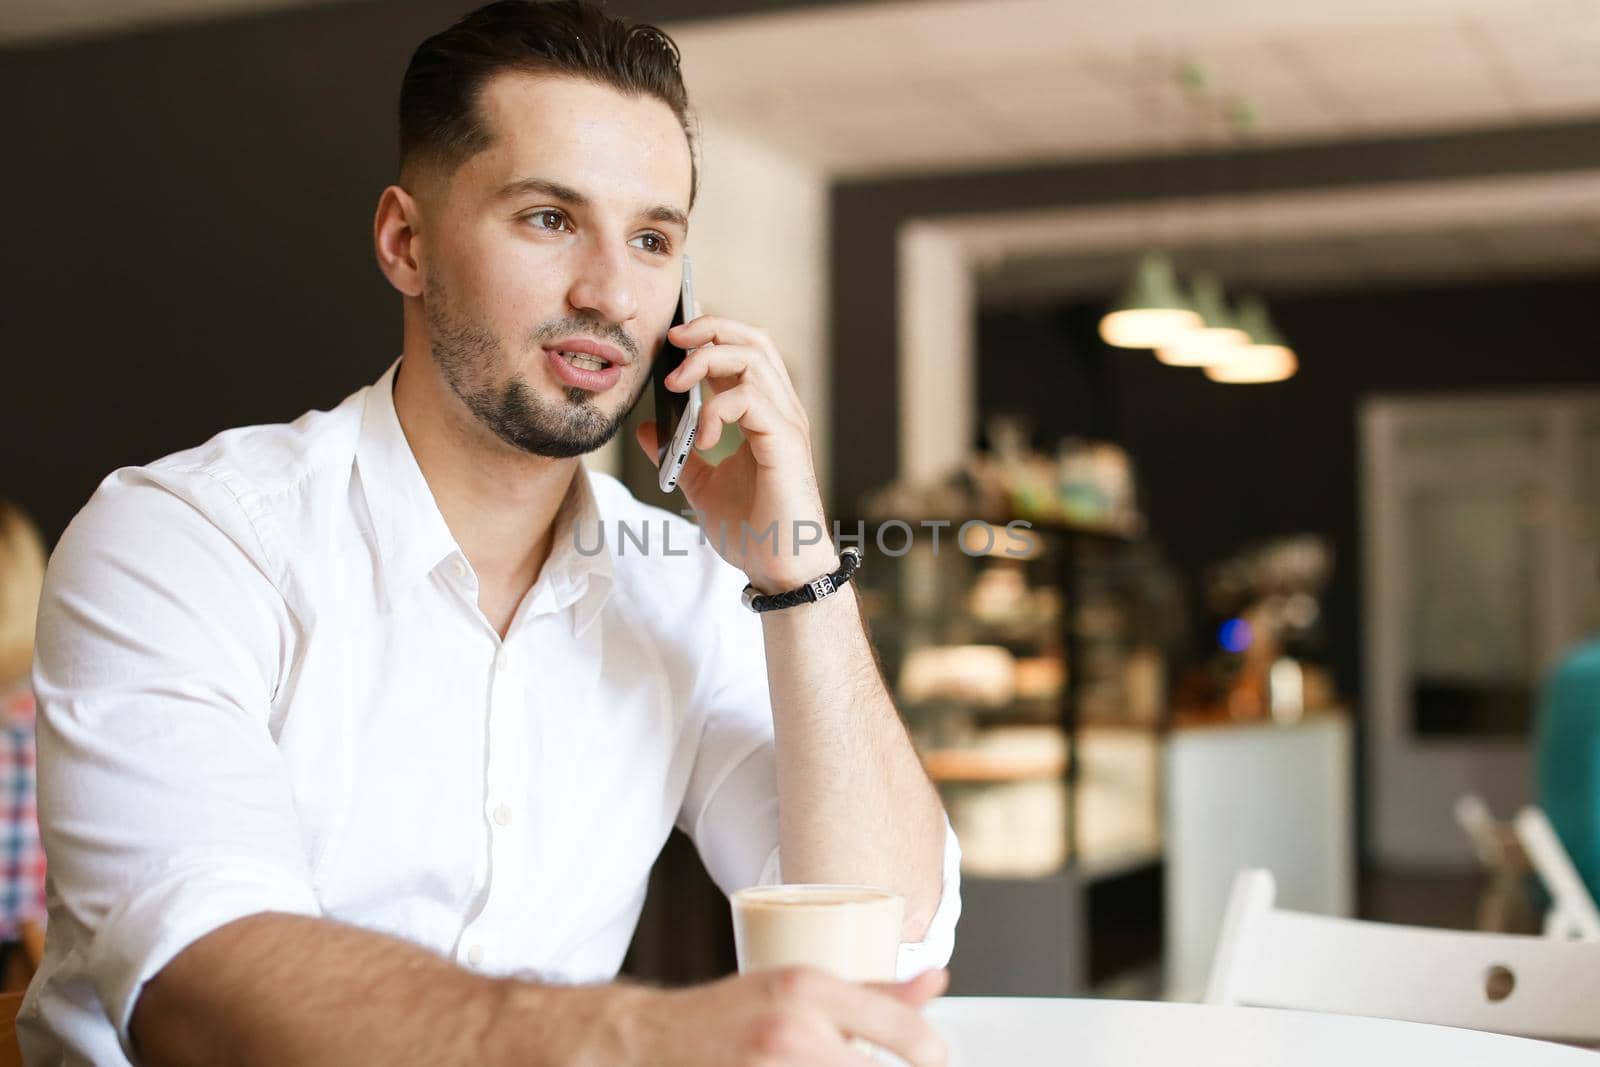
(1550, 53)
(1043, 109)
(1065, 80)
(1417, 75)
(1263, 75)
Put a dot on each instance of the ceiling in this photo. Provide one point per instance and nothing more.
(1350, 261)
(905, 88)
(1403, 234)
(885, 88)
(24, 21)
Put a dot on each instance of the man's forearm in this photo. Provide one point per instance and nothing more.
(275, 989)
(285, 989)
(854, 803)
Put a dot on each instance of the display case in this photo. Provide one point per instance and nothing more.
(1033, 685)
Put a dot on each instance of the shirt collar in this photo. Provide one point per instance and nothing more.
(413, 538)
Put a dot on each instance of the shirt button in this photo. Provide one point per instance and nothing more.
(502, 662)
(475, 955)
(502, 815)
(458, 568)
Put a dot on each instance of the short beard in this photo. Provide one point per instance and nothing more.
(466, 353)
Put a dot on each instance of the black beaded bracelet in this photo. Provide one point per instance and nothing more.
(818, 588)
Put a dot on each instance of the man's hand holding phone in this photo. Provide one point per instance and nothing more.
(771, 480)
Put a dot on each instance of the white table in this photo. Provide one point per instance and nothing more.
(1042, 1032)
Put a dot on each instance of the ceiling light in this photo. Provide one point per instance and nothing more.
(1267, 358)
(1216, 340)
(1152, 311)
(1255, 366)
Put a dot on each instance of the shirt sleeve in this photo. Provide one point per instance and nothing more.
(164, 806)
(731, 808)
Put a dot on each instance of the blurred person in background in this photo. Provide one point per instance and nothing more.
(353, 749)
(22, 559)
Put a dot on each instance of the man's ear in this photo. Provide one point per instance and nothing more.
(397, 240)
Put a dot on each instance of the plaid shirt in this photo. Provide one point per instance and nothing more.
(21, 855)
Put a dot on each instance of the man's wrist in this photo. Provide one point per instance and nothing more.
(795, 571)
(539, 1025)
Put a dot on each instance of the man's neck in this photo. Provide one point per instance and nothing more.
(499, 503)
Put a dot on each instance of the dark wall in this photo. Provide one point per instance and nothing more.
(1223, 465)
(187, 235)
(187, 242)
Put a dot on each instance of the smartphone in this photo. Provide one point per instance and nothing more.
(677, 414)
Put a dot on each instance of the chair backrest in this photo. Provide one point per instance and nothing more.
(1504, 903)
(10, 1052)
(1572, 910)
(1494, 841)
(1506, 983)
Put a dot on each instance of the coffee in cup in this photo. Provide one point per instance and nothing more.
(849, 931)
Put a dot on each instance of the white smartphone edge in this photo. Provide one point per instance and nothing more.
(683, 438)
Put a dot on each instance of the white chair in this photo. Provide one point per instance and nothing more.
(1504, 905)
(1572, 914)
(1505, 983)
(1490, 837)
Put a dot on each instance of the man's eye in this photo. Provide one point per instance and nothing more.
(539, 218)
(661, 246)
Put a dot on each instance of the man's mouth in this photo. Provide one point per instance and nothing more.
(583, 364)
(587, 362)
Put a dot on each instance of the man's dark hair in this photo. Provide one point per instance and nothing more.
(440, 122)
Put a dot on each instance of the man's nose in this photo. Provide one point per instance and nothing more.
(603, 283)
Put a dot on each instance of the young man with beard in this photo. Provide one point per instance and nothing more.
(349, 755)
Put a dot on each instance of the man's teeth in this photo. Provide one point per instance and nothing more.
(584, 360)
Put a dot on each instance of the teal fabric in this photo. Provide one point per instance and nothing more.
(1567, 758)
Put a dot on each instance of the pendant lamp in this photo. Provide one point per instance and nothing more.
(1152, 311)
(1219, 336)
(1267, 358)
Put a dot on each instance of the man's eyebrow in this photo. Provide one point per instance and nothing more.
(567, 194)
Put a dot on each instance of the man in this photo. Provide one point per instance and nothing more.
(354, 751)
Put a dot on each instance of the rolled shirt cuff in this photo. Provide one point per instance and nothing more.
(142, 934)
(939, 943)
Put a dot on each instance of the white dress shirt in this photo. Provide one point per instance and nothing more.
(264, 684)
